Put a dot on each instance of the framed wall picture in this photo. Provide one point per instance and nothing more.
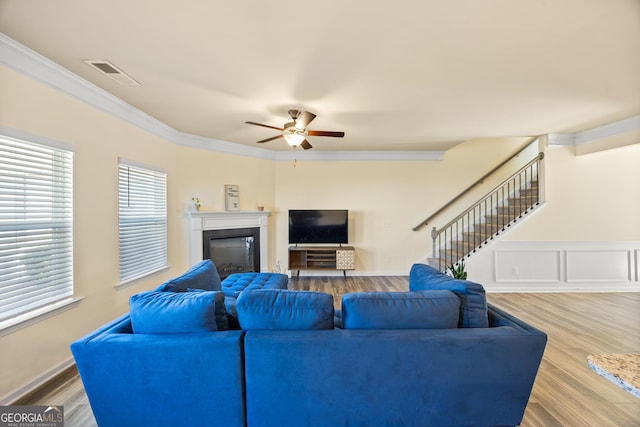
(231, 197)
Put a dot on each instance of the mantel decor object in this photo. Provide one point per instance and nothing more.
(231, 197)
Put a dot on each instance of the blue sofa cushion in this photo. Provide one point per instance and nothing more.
(400, 310)
(202, 275)
(235, 283)
(155, 312)
(226, 319)
(473, 300)
(284, 309)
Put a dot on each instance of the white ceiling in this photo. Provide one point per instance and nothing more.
(393, 75)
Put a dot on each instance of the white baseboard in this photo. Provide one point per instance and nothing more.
(37, 382)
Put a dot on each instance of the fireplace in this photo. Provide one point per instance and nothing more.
(232, 251)
(232, 225)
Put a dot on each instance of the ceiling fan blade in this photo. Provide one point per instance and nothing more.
(269, 139)
(264, 126)
(303, 120)
(305, 144)
(325, 133)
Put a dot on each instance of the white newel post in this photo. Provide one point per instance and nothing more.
(203, 221)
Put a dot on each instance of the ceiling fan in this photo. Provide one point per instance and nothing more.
(295, 132)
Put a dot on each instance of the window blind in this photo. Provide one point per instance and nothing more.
(36, 217)
(142, 214)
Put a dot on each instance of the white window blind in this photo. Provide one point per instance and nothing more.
(36, 218)
(142, 213)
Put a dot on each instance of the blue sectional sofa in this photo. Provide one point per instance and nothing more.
(385, 359)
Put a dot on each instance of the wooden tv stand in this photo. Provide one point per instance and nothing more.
(321, 258)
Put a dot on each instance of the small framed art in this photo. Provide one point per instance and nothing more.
(231, 197)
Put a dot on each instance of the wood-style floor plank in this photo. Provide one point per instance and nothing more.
(566, 391)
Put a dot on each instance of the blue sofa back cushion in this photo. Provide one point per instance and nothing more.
(473, 299)
(225, 317)
(155, 312)
(400, 310)
(284, 309)
(202, 275)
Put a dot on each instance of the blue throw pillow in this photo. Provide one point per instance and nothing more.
(224, 315)
(284, 309)
(203, 276)
(155, 312)
(473, 299)
(400, 310)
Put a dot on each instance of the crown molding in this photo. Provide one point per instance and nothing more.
(630, 124)
(30, 63)
(558, 139)
(357, 155)
(600, 134)
(203, 143)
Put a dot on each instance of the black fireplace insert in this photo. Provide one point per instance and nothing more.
(232, 251)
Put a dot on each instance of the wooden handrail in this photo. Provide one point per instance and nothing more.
(479, 181)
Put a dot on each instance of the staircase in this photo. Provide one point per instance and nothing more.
(498, 210)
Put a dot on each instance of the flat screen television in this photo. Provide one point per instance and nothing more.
(319, 226)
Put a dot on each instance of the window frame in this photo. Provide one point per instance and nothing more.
(150, 211)
(36, 195)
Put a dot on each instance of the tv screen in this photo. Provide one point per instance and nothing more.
(319, 226)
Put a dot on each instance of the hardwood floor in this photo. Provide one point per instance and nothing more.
(566, 391)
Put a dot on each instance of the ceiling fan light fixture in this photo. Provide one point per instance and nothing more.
(295, 132)
(294, 139)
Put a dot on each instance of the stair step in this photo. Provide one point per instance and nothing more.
(498, 219)
(528, 192)
(486, 229)
(462, 245)
(522, 201)
(478, 237)
(510, 210)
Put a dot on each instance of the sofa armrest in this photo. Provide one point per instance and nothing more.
(161, 379)
(499, 317)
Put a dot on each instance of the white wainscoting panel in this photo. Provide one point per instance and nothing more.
(598, 265)
(528, 266)
(556, 266)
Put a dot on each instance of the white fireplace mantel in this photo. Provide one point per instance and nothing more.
(202, 221)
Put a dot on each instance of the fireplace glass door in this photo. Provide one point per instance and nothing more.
(232, 251)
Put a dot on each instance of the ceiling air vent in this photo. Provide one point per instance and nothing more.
(113, 72)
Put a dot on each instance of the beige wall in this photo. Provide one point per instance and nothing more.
(593, 197)
(386, 199)
(203, 174)
(97, 140)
